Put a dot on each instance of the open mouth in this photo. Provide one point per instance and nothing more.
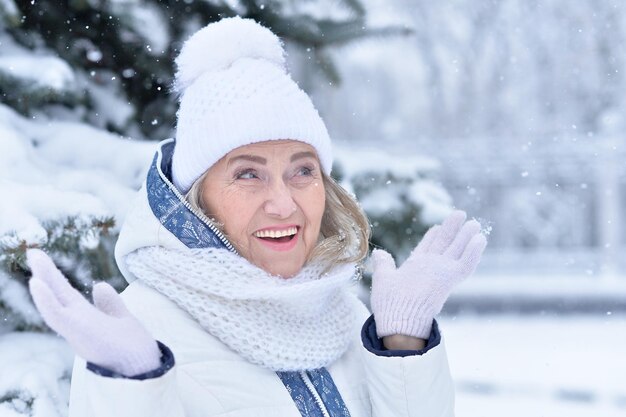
(277, 236)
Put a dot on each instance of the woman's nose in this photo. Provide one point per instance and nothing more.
(280, 202)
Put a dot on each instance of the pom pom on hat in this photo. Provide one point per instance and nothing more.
(218, 45)
(234, 90)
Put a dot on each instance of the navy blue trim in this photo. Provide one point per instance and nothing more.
(170, 210)
(167, 154)
(375, 345)
(167, 363)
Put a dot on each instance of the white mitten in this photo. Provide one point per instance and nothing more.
(105, 333)
(405, 300)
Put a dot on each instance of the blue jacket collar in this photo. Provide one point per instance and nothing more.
(169, 206)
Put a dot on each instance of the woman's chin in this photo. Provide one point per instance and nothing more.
(286, 272)
(285, 264)
(281, 267)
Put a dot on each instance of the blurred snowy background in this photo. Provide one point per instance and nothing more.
(510, 109)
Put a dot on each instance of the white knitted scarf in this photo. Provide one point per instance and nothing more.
(304, 322)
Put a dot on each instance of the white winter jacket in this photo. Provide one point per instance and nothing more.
(207, 378)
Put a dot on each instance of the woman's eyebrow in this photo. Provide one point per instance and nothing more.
(299, 155)
(251, 158)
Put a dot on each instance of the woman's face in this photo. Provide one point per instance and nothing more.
(270, 198)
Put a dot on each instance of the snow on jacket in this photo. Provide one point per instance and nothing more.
(200, 376)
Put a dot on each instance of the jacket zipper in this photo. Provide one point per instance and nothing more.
(199, 215)
(318, 399)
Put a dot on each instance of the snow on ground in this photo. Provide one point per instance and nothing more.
(538, 366)
(539, 363)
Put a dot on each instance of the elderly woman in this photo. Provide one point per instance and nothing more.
(241, 255)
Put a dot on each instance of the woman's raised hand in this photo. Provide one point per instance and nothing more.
(405, 300)
(104, 333)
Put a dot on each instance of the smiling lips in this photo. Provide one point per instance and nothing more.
(278, 239)
(290, 231)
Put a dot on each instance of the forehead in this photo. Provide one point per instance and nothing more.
(283, 147)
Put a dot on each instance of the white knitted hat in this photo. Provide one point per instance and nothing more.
(235, 90)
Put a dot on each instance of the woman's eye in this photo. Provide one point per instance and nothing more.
(246, 175)
(305, 171)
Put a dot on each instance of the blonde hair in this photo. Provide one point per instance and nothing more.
(344, 232)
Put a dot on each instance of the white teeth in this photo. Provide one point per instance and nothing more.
(277, 233)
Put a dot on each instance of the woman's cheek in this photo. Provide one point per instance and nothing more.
(316, 204)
